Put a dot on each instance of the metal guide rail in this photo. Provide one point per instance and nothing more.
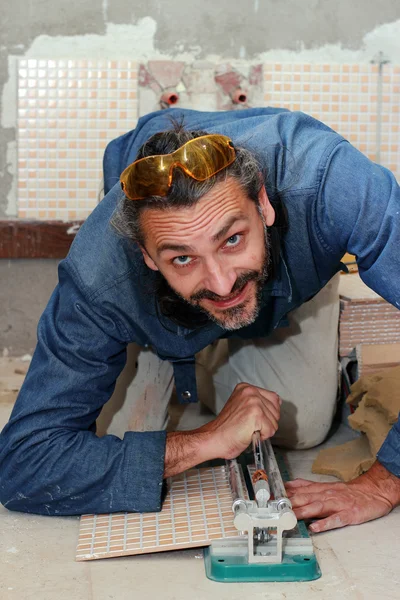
(263, 521)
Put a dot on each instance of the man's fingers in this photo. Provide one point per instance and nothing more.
(296, 483)
(270, 412)
(310, 510)
(255, 396)
(266, 420)
(269, 400)
(303, 499)
(272, 397)
(340, 519)
(308, 506)
(270, 424)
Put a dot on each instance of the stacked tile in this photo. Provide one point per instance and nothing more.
(365, 317)
(374, 358)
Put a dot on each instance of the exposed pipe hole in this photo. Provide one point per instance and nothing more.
(239, 96)
(169, 99)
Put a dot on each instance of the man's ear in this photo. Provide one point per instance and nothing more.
(266, 207)
(147, 259)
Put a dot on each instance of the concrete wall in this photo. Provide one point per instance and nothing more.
(181, 29)
(25, 288)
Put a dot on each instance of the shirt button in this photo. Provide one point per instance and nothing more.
(186, 395)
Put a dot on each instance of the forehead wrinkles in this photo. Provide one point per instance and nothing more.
(169, 225)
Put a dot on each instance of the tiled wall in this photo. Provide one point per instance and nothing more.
(390, 148)
(69, 109)
(67, 112)
(344, 97)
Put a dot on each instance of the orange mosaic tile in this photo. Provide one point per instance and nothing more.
(68, 110)
(344, 96)
(196, 510)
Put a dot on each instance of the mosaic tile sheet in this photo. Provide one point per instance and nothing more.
(197, 509)
(68, 110)
(390, 145)
(344, 96)
(365, 317)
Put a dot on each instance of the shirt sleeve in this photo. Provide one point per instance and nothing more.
(51, 461)
(358, 211)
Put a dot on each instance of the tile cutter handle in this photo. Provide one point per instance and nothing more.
(260, 483)
(275, 478)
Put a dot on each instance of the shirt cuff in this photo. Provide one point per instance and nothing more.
(389, 453)
(144, 479)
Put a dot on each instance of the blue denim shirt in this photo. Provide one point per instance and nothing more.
(51, 461)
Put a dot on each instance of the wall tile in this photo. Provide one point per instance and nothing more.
(344, 96)
(68, 111)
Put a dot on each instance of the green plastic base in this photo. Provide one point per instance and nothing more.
(236, 568)
(231, 567)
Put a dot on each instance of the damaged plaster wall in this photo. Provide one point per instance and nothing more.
(251, 30)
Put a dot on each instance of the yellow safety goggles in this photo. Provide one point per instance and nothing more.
(199, 158)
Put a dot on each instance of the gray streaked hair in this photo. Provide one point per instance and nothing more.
(184, 191)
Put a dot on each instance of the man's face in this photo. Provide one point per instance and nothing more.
(213, 254)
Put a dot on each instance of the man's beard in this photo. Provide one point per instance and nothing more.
(236, 317)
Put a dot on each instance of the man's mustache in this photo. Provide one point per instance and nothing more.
(238, 285)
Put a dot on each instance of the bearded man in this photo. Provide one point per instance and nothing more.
(216, 248)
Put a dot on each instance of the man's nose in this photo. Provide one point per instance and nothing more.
(219, 278)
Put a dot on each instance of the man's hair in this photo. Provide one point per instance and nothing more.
(185, 192)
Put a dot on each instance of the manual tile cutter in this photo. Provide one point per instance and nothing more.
(272, 545)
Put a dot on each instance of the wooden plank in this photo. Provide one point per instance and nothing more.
(36, 239)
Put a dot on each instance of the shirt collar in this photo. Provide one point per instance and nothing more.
(280, 286)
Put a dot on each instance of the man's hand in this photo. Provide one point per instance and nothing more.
(369, 496)
(248, 409)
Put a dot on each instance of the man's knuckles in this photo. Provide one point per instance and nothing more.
(300, 500)
(253, 405)
(269, 431)
(275, 399)
(263, 421)
(243, 387)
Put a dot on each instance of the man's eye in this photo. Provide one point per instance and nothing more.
(233, 240)
(181, 261)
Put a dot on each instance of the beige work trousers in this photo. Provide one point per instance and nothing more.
(299, 362)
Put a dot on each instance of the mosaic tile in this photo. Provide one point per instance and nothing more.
(68, 110)
(196, 510)
(344, 96)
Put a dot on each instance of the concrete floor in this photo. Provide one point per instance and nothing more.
(37, 553)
